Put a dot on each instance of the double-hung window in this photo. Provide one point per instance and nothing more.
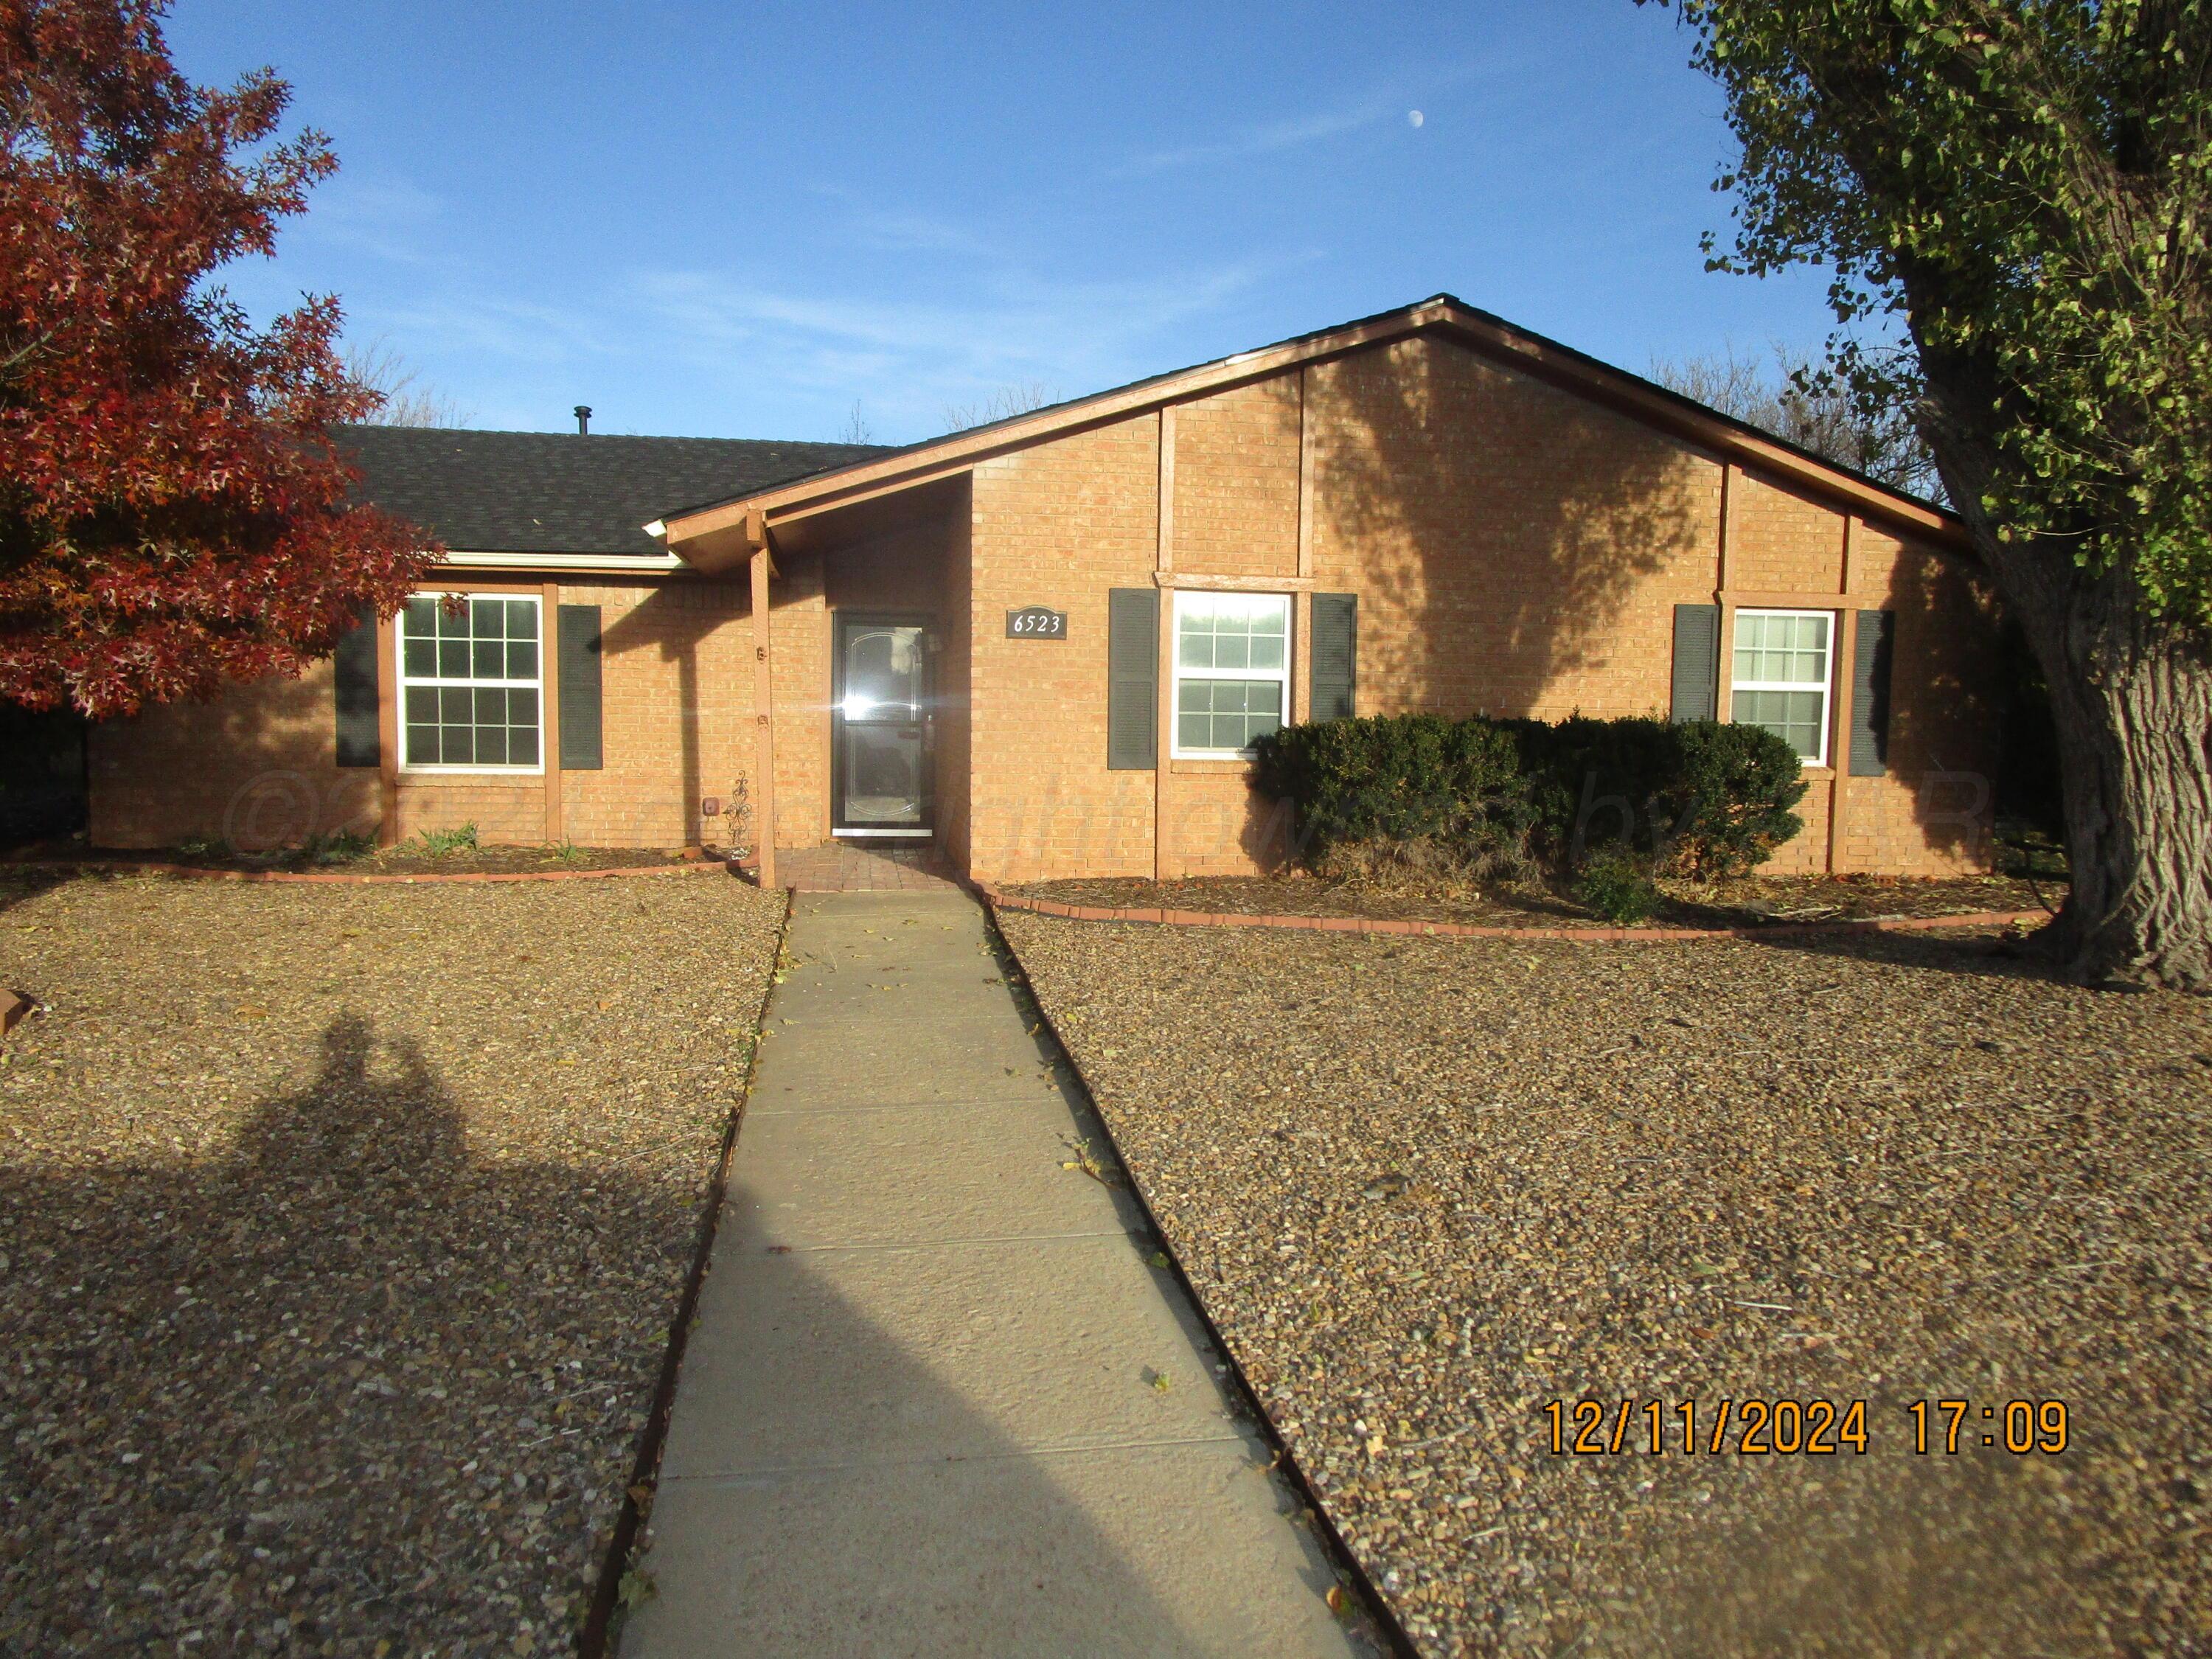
(469, 684)
(1782, 675)
(1232, 671)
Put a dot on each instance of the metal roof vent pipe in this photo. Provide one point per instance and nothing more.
(583, 420)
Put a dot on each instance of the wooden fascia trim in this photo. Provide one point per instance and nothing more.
(958, 453)
(1194, 582)
(1616, 391)
(1603, 385)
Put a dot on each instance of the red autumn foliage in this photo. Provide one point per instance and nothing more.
(173, 513)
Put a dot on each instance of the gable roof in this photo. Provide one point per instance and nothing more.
(717, 534)
(562, 492)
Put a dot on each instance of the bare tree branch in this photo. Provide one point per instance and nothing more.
(379, 366)
(1015, 397)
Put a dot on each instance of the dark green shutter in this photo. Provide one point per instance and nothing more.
(354, 666)
(1697, 662)
(1133, 678)
(579, 688)
(1336, 655)
(1870, 694)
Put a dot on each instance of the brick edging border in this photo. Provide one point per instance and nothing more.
(195, 873)
(1000, 899)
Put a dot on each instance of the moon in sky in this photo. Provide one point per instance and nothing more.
(1414, 118)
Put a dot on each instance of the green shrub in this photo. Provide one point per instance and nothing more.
(1617, 884)
(442, 843)
(338, 847)
(1699, 799)
(1731, 808)
(1704, 800)
(1420, 789)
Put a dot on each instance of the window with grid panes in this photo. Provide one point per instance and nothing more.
(1232, 670)
(470, 683)
(1781, 676)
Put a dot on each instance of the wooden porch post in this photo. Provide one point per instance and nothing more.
(388, 732)
(549, 728)
(765, 724)
(1843, 658)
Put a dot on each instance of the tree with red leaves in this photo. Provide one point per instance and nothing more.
(173, 512)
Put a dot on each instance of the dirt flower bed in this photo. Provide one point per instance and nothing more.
(1748, 903)
(341, 1229)
(413, 857)
(1426, 1187)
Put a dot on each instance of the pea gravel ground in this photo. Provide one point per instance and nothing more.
(341, 1229)
(1746, 902)
(1425, 1187)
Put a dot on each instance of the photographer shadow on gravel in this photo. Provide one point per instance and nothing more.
(358, 1377)
(339, 1381)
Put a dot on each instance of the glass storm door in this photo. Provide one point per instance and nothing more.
(881, 728)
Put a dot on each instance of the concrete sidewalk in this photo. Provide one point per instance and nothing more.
(938, 1399)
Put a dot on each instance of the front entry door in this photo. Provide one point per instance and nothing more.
(880, 728)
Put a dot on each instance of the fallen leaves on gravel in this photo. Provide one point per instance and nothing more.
(1426, 1187)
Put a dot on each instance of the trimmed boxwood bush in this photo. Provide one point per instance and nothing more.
(1703, 799)
(1699, 798)
(1428, 788)
(1617, 884)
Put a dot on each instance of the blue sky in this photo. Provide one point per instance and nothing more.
(740, 221)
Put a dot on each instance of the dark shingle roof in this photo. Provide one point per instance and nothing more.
(559, 492)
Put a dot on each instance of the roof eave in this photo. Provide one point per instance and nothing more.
(608, 563)
(714, 538)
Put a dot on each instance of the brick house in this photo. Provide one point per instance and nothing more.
(1041, 644)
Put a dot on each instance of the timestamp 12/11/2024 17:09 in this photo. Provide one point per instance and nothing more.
(1816, 1428)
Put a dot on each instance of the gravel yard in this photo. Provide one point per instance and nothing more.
(1426, 1186)
(1746, 902)
(341, 1229)
(411, 857)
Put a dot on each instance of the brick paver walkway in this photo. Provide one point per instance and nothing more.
(848, 866)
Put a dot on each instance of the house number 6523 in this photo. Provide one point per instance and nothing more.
(1034, 622)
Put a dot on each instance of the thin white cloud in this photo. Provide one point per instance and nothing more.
(517, 330)
(1263, 140)
(1383, 102)
(907, 360)
(920, 232)
(389, 218)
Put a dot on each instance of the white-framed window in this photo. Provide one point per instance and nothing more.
(1232, 671)
(1783, 671)
(470, 683)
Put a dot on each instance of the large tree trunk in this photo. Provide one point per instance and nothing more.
(2131, 698)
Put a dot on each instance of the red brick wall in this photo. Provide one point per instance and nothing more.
(1780, 542)
(1236, 496)
(1929, 814)
(1515, 549)
(955, 689)
(676, 690)
(676, 677)
(258, 766)
(799, 665)
(1057, 525)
